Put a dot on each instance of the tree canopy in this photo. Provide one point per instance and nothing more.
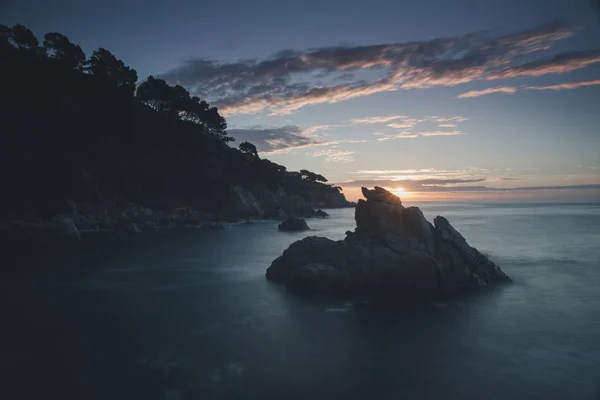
(248, 148)
(95, 132)
(60, 47)
(23, 37)
(105, 65)
(311, 176)
(175, 101)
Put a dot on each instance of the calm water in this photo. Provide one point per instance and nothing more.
(189, 315)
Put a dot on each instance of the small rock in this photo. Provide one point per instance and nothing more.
(294, 224)
(65, 228)
(321, 214)
(133, 228)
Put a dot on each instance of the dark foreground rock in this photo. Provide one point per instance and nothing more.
(393, 250)
(293, 225)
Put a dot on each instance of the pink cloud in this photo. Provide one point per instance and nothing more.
(405, 125)
(441, 133)
(477, 93)
(282, 84)
(566, 86)
(376, 120)
(335, 155)
(559, 64)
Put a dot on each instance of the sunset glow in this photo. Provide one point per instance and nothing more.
(400, 192)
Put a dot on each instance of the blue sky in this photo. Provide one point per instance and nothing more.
(447, 99)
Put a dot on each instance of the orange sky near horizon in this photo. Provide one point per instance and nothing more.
(354, 194)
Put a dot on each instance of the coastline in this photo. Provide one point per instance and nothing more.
(74, 228)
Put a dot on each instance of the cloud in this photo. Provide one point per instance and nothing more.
(401, 171)
(376, 120)
(477, 93)
(558, 64)
(422, 173)
(441, 133)
(335, 155)
(513, 89)
(451, 185)
(312, 129)
(403, 125)
(566, 86)
(286, 81)
(401, 135)
(408, 124)
(413, 185)
(450, 119)
(276, 140)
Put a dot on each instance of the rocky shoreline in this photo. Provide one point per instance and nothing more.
(78, 221)
(393, 251)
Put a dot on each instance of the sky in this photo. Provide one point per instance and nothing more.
(442, 100)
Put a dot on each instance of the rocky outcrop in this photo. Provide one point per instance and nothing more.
(241, 204)
(259, 203)
(393, 250)
(380, 195)
(321, 214)
(295, 205)
(328, 199)
(294, 225)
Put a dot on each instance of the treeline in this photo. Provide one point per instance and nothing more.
(62, 56)
(83, 128)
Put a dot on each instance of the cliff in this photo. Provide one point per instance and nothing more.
(78, 135)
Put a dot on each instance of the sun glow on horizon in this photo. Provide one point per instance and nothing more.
(400, 192)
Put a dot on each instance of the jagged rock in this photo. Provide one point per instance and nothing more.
(297, 205)
(241, 204)
(294, 224)
(393, 250)
(321, 214)
(379, 194)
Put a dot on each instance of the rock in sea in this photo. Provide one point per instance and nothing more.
(321, 214)
(393, 250)
(294, 224)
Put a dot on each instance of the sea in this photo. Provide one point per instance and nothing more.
(188, 314)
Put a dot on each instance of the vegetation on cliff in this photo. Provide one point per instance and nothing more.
(84, 129)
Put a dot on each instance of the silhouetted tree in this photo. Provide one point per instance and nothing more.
(214, 123)
(23, 37)
(105, 65)
(5, 38)
(158, 95)
(176, 101)
(128, 151)
(195, 110)
(248, 148)
(59, 46)
(311, 176)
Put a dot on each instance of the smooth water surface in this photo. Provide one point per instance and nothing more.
(189, 315)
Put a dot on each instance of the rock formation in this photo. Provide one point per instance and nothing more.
(321, 214)
(393, 250)
(294, 224)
